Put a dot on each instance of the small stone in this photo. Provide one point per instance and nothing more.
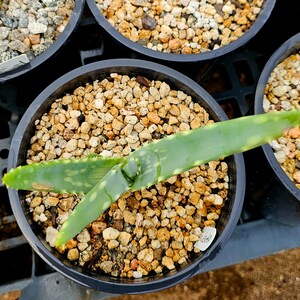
(51, 236)
(131, 120)
(82, 246)
(124, 238)
(36, 201)
(117, 125)
(280, 156)
(296, 176)
(18, 46)
(137, 92)
(51, 201)
(66, 204)
(112, 244)
(175, 44)
(85, 127)
(155, 93)
(43, 217)
(99, 103)
(36, 28)
(4, 31)
(164, 90)
(145, 135)
(148, 22)
(280, 90)
(146, 254)
(294, 132)
(106, 266)
(155, 244)
(73, 254)
(137, 274)
(34, 39)
(206, 238)
(72, 123)
(94, 141)
(71, 145)
(134, 264)
(163, 234)
(168, 262)
(153, 117)
(110, 233)
(98, 227)
(83, 236)
(129, 217)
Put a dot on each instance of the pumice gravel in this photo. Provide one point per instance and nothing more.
(29, 27)
(282, 93)
(181, 26)
(146, 232)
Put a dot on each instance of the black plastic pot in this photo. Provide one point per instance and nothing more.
(17, 156)
(292, 45)
(52, 50)
(137, 48)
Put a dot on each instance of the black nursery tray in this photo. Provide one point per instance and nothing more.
(270, 219)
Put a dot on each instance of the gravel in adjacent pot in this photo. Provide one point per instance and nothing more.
(30, 27)
(145, 232)
(181, 26)
(282, 92)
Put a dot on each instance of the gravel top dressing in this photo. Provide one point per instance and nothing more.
(30, 27)
(145, 232)
(181, 26)
(282, 93)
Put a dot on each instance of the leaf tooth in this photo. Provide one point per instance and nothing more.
(177, 171)
(198, 162)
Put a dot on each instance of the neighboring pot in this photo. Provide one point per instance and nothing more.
(138, 48)
(291, 46)
(20, 144)
(24, 67)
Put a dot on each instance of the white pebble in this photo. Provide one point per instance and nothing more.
(280, 156)
(110, 233)
(280, 90)
(294, 94)
(206, 238)
(51, 236)
(131, 120)
(99, 103)
(75, 114)
(286, 105)
(137, 274)
(94, 141)
(84, 236)
(35, 27)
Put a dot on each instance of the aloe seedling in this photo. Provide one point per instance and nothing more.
(104, 180)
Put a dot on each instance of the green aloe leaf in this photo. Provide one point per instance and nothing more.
(172, 155)
(96, 201)
(61, 176)
(106, 179)
(180, 152)
(115, 183)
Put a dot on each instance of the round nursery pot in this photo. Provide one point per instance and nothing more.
(25, 62)
(175, 55)
(33, 233)
(285, 91)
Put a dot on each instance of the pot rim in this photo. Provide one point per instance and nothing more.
(285, 50)
(62, 39)
(119, 285)
(213, 54)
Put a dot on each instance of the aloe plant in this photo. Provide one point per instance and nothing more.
(104, 180)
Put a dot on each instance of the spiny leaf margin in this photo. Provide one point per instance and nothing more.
(73, 176)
